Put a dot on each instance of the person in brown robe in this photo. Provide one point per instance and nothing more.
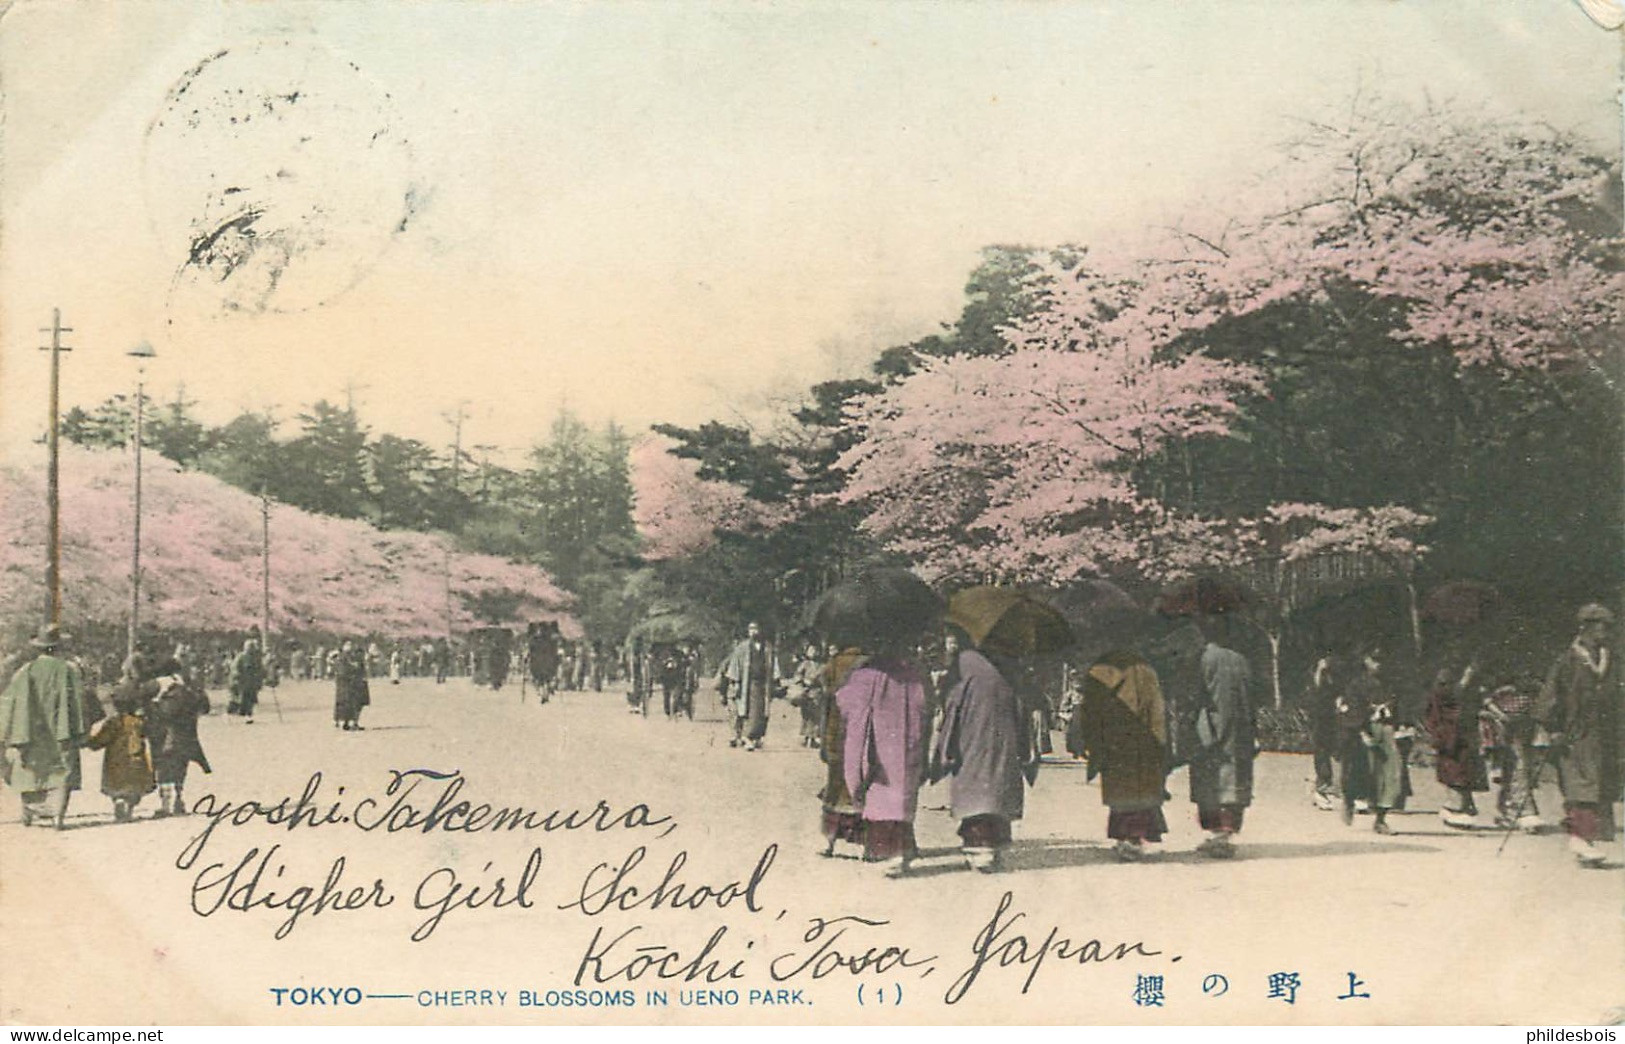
(1121, 728)
(127, 774)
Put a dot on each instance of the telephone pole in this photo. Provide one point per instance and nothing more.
(53, 537)
(265, 569)
(484, 451)
(350, 389)
(446, 552)
(141, 353)
(455, 419)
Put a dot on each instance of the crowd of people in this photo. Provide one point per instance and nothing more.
(144, 723)
(886, 726)
(147, 732)
(888, 718)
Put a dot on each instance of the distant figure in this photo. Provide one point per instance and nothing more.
(595, 654)
(442, 660)
(749, 677)
(44, 721)
(1320, 701)
(670, 664)
(1373, 769)
(395, 666)
(1580, 707)
(1221, 768)
(350, 689)
(542, 656)
(1452, 724)
(247, 678)
(807, 694)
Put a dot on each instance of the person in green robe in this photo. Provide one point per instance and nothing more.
(43, 723)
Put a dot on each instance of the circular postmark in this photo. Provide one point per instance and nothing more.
(277, 175)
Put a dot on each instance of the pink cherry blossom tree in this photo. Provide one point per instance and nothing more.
(679, 514)
(1297, 554)
(201, 558)
(1021, 466)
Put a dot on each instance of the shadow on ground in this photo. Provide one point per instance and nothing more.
(1058, 853)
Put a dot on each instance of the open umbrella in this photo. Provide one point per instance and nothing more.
(1102, 615)
(1201, 596)
(882, 605)
(1090, 605)
(1461, 602)
(1009, 621)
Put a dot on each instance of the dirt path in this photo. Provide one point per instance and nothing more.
(1436, 925)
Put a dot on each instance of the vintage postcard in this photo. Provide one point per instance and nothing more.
(803, 513)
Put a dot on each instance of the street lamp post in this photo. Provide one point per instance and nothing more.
(53, 530)
(141, 353)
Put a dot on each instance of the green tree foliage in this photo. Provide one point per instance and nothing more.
(326, 464)
(173, 432)
(579, 498)
(244, 453)
(401, 481)
(107, 426)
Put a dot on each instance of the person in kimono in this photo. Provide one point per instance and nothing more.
(985, 750)
(172, 732)
(1120, 726)
(842, 823)
(883, 759)
(127, 774)
(350, 688)
(1517, 746)
(247, 678)
(44, 721)
(748, 681)
(807, 694)
(1579, 706)
(1373, 764)
(1320, 700)
(1452, 724)
(1221, 764)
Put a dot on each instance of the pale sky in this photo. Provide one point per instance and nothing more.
(645, 211)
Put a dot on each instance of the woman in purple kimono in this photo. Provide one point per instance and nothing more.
(985, 748)
(883, 705)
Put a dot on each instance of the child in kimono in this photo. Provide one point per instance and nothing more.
(126, 764)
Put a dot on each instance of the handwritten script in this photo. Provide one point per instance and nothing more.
(630, 902)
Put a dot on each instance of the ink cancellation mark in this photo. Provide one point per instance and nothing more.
(277, 175)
